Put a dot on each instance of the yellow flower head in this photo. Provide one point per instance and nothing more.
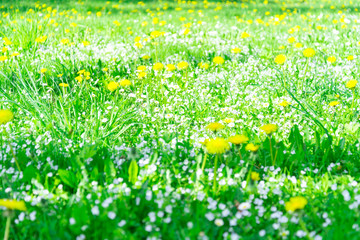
(13, 204)
(255, 176)
(182, 65)
(269, 128)
(217, 146)
(125, 83)
(3, 58)
(334, 103)
(331, 59)
(228, 120)
(298, 45)
(309, 52)
(280, 59)
(215, 126)
(238, 139)
(351, 84)
(158, 66)
(63, 85)
(112, 86)
(170, 67)
(64, 41)
(145, 57)
(284, 103)
(141, 68)
(291, 40)
(251, 147)
(7, 41)
(141, 75)
(295, 203)
(350, 58)
(236, 50)
(43, 70)
(204, 65)
(6, 116)
(218, 60)
(245, 35)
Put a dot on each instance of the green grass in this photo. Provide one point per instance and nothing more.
(91, 163)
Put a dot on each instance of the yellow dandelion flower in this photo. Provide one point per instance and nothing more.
(251, 147)
(217, 146)
(112, 86)
(6, 116)
(79, 79)
(255, 176)
(331, 59)
(43, 70)
(334, 103)
(7, 41)
(15, 54)
(350, 58)
(64, 85)
(291, 40)
(170, 67)
(125, 83)
(182, 65)
(3, 58)
(309, 53)
(64, 41)
(141, 68)
(145, 57)
(215, 126)
(141, 75)
(298, 45)
(158, 66)
(238, 139)
(218, 60)
(245, 35)
(236, 50)
(296, 203)
(280, 59)
(284, 103)
(204, 65)
(269, 128)
(13, 204)
(351, 84)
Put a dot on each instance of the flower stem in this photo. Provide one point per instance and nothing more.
(204, 163)
(7, 228)
(241, 158)
(353, 100)
(215, 171)
(271, 152)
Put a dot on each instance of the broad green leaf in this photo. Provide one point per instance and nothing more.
(133, 171)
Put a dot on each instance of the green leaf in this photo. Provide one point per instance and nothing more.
(109, 168)
(133, 171)
(67, 177)
(29, 173)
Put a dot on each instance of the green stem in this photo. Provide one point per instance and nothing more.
(7, 228)
(352, 103)
(271, 152)
(241, 158)
(204, 163)
(215, 172)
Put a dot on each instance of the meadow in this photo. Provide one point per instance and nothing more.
(180, 119)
